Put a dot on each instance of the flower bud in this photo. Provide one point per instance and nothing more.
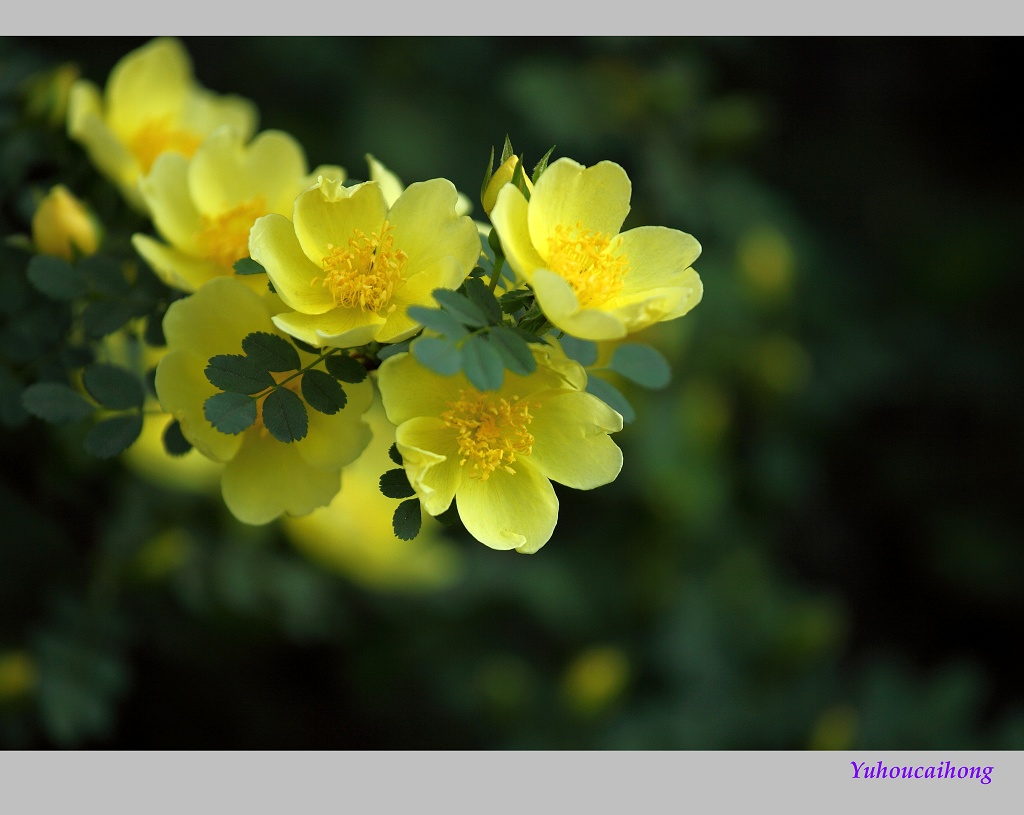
(502, 176)
(62, 222)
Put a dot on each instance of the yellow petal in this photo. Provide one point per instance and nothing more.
(567, 193)
(169, 201)
(337, 440)
(658, 257)
(268, 478)
(390, 184)
(427, 228)
(571, 441)
(272, 244)
(430, 456)
(340, 328)
(418, 290)
(205, 111)
(509, 511)
(176, 269)
(642, 309)
(330, 214)
(560, 305)
(408, 389)
(151, 82)
(509, 217)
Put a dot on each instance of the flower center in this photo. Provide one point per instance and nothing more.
(224, 238)
(491, 431)
(365, 273)
(585, 260)
(157, 136)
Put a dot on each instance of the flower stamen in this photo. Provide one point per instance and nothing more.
(491, 431)
(158, 136)
(587, 261)
(365, 273)
(224, 238)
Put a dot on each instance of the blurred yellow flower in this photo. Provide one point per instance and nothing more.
(204, 206)
(152, 104)
(350, 265)
(262, 477)
(63, 226)
(592, 281)
(496, 452)
(18, 675)
(354, 537)
(595, 679)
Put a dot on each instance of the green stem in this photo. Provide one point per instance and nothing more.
(320, 358)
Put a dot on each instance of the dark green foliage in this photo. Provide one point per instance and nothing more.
(407, 519)
(284, 415)
(238, 373)
(56, 278)
(438, 320)
(247, 266)
(394, 455)
(322, 392)
(55, 403)
(482, 364)
(461, 308)
(230, 412)
(612, 396)
(113, 436)
(345, 369)
(271, 351)
(440, 355)
(641, 364)
(174, 440)
(395, 484)
(113, 387)
(515, 351)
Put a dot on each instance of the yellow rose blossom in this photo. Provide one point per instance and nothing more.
(496, 452)
(63, 226)
(204, 206)
(354, 536)
(263, 477)
(152, 104)
(592, 281)
(349, 265)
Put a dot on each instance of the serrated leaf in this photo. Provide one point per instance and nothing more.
(271, 351)
(322, 392)
(246, 266)
(583, 351)
(237, 373)
(441, 356)
(514, 350)
(513, 301)
(56, 278)
(284, 415)
(55, 403)
(345, 368)
(113, 386)
(395, 484)
(440, 321)
(174, 440)
(610, 395)
(480, 295)
(394, 455)
(482, 364)
(460, 308)
(407, 519)
(104, 317)
(113, 436)
(542, 165)
(230, 412)
(642, 364)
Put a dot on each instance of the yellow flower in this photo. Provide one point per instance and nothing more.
(497, 452)
(354, 537)
(502, 176)
(350, 265)
(263, 477)
(591, 281)
(152, 104)
(63, 225)
(205, 206)
(392, 187)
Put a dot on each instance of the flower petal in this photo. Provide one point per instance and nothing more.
(167, 196)
(560, 305)
(644, 308)
(408, 389)
(390, 184)
(272, 243)
(184, 272)
(152, 82)
(418, 290)
(430, 456)
(330, 214)
(509, 511)
(571, 441)
(427, 227)
(509, 217)
(268, 478)
(340, 328)
(205, 111)
(658, 257)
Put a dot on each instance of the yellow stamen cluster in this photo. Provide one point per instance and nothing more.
(491, 431)
(158, 136)
(224, 238)
(584, 258)
(365, 273)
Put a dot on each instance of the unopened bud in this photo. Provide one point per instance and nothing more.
(502, 176)
(64, 226)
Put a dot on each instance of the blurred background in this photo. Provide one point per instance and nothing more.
(816, 539)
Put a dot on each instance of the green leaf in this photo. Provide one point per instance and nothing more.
(395, 484)
(542, 165)
(237, 373)
(396, 348)
(450, 516)
(12, 412)
(154, 333)
(105, 275)
(345, 368)
(55, 403)
(442, 356)
(482, 297)
(394, 455)
(482, 364)
(248, 266)
(305, 346)
(513, 301)
(642, 364)
(322, 392)
(407, 519)
(610, 395)
(583, 351)
(104, 317)
(519, 180)
(174, 440)
(440, 321)
(113, 436)
(488, 173)
(271, 351)
(284, 415)
(56, 278)
(514, 350)
(230, 412)
(460, 308)
(113, 386)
